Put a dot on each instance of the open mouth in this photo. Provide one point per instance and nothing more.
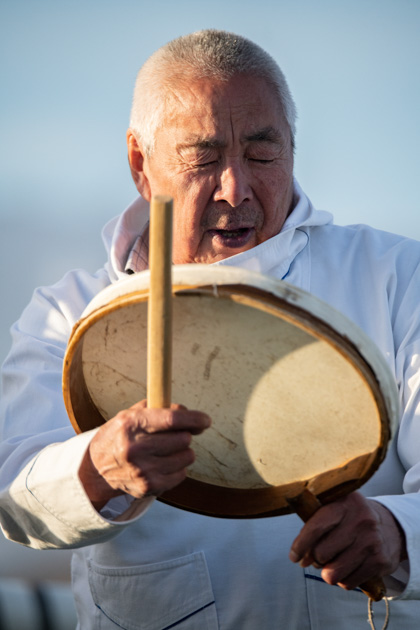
(232, 238)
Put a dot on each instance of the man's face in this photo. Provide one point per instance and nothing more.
(223, 153)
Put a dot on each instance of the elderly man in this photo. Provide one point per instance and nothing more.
(213, 126)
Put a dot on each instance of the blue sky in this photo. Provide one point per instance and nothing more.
(67, 73)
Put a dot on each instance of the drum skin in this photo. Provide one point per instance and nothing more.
(299, 397)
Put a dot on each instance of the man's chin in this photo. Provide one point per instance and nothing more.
(218, 245)
(217, 256)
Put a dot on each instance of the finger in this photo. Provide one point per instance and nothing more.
(142, 404)
(334, 544)
(179, 420)
(155, 485)
(176, 406)
(138, 419)
(176, 462)
(157, 445)
(156, 466)
(365, 571)
(356, 565)
(160, 484)
(149, 474)
(343, 566)
(326, 519)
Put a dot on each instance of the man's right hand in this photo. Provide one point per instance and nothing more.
(140, 452)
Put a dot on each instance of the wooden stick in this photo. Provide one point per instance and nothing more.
(159, 331)
(305, 505)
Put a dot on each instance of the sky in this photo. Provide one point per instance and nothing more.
(67, 71)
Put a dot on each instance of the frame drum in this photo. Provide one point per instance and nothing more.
(300, 398)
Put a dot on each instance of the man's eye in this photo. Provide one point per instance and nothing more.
(260, 160)
(204, 164)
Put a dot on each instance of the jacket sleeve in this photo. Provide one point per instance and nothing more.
(405, 506)
(42, 501)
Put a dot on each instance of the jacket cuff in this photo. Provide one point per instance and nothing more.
(404, 583)
(52, 496)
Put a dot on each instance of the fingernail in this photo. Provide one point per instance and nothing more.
(293, 556)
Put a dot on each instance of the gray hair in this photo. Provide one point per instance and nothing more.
(205, 54)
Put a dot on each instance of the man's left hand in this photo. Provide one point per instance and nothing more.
(353, 539)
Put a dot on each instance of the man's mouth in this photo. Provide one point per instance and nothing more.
(232, 238)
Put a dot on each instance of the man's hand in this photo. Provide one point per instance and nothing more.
(353, 539)
(140, 452)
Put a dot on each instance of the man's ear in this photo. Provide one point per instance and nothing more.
(136, 159)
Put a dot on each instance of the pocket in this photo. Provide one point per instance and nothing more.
(176, 594)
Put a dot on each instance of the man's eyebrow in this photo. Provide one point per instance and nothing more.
(268, 134)
(202, 143)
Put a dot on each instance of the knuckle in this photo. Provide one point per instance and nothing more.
(132, 421)
(147, 487)
(185, 439)
(178, 478)
(182, 475)
(374, 548)
(142, 481)
(137, 474)
(169, 419)
(178, 407)
(122, 452)
(121, 421)
(191, 456)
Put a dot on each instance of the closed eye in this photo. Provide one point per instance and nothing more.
(261, 161)
(204, 164)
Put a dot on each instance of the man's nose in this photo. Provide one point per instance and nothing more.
(233, 185)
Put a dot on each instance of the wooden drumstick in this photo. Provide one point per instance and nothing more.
(159, 325)
(305, 505)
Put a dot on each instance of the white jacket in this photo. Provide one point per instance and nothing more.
(164, 567)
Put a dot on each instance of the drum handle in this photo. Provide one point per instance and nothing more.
(305, 505)
(159, 314)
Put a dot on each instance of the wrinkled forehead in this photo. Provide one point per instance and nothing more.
(196, 107)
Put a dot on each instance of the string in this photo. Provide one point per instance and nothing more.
(371, 614)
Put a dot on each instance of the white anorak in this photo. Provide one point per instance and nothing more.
(146, 565)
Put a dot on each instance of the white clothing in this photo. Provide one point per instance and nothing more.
(162, 567)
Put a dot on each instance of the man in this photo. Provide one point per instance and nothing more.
(213, 126)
